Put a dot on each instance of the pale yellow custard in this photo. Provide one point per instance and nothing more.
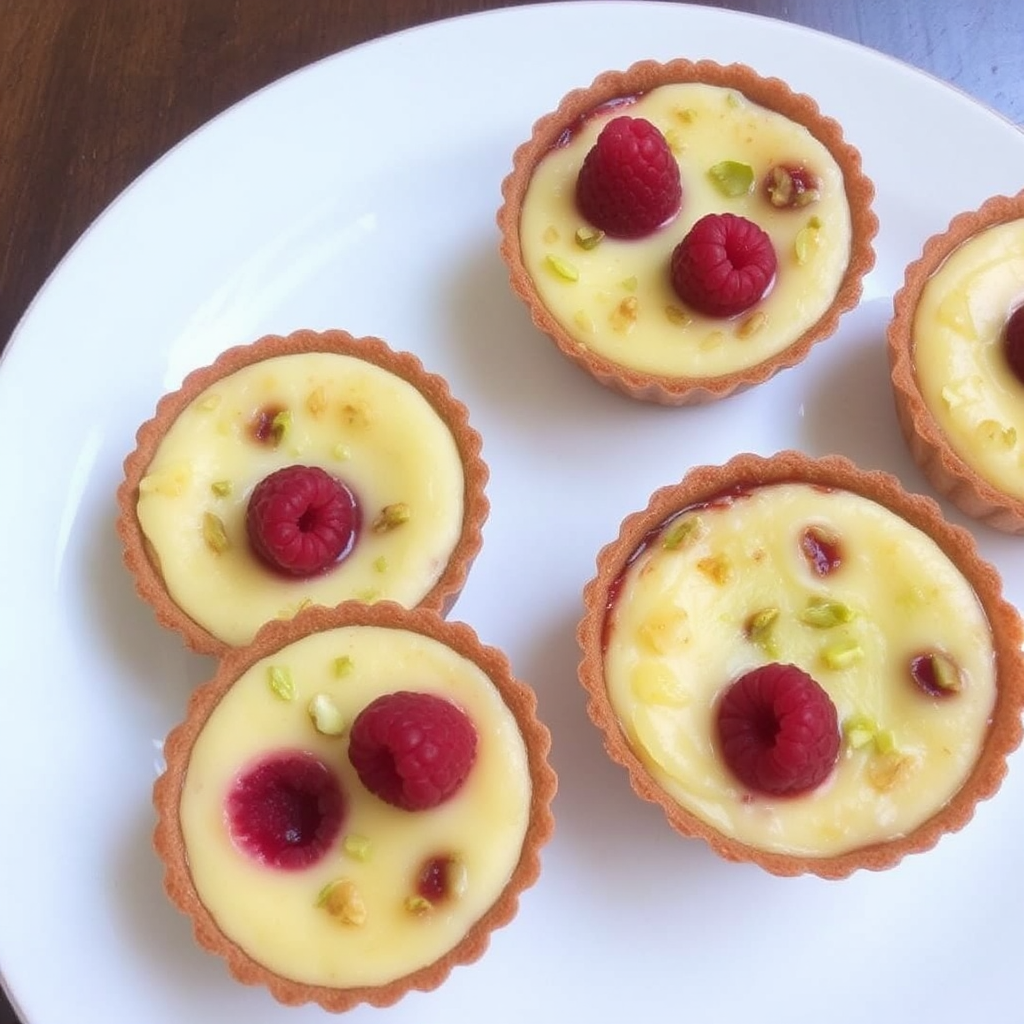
(726, 587)
(961, 370)
(616, 298)
(274, 914)
(360, 423)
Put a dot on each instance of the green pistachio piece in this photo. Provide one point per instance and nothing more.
(341, 899)
(842, 654)
(281, 424)
(418, 905)
(380, 564)
(860, 730)
(822, 613)
(343, 666)
(732, 178)
(342, 452)
(759, 628)
(678, 316)
(629, 283)
(563, 268)
(391, 516)
(885, 741)
(681, 532)
(588, 238)
(222, 488)
(326, 715)
(281, 683)
(357, 847)
(214, 534)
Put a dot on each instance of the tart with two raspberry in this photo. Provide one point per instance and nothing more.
(802, 664)
(685, 230)
(956, 350)
(302, 470)
(376, 818)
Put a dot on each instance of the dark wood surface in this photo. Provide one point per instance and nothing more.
(93, 91)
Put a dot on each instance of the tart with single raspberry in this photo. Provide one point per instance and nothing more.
(956, 351)
(375, 819)
(302, 470)
(802, 664)
(685, 230)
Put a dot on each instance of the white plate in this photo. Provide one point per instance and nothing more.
(361, 193)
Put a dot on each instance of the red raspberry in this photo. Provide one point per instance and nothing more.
(286, 810)
(1013, 342)
(629, 182)
(301, 520)
(778, 730)
(724, 265)
(413, 750)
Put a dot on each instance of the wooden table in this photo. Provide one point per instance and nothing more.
(95, 90)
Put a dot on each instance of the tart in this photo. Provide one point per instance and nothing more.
(956, 351)
(309, 469)
(323, 849)
(802, 664)
(684, 230)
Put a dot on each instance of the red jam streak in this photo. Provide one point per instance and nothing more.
(601, 110)
(261, 426)
(822, 550)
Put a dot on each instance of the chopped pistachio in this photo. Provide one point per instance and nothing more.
(860, 730)
(550, 235)
(733, 99)
(807, 196)
(342, 901)
(208, 402)
(664, 631)
(625, 314)
(356, 413)
(842, 654)
(588, 237)
(316, 400)
(629, 283)
(780, 187)
(886, 771)
(280, 680)
(418, 904)
(732, 178)
(682, 532)
(457, 877)
(994, 432)
(170, 482)
(678, 316)
(685, 114)
(357, 847)
(712, 340)
(214, 534)
(343, 665)
(341, 452)
(752, 324)
(380, 564)
(391, 516)
(584, 321)
(885, 741)
(281, 424)
(675, 141)
(563, 268)
(821, 613)
(221, 488)
(759, 628)
(947, 675)
(805, 243)
(717, 568)
(326, 715)
(814, 221)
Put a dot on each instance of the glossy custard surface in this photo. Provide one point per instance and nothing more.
(272, 913)
(958, 355)
(704, 125)
(680, 631)
(353, 419)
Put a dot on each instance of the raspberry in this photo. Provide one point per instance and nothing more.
(286, 810)
(301, 520)
(629, 182)
(413, 750)
(724, 265)
(1013, 342)
(778, 730)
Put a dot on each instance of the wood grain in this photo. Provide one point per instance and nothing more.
(95, 90)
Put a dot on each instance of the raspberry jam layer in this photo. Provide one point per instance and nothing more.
(958, 355)
(356, 421)
(282, 918)
(727, 587)
(705, 126)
